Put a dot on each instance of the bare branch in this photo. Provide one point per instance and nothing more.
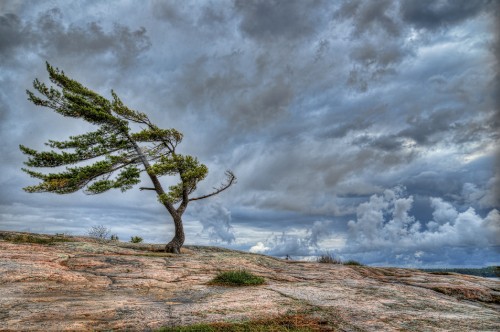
(146, 188)
(230, 180)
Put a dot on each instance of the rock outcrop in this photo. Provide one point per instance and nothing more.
(76, 284)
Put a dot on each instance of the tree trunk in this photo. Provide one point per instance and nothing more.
(174, 246)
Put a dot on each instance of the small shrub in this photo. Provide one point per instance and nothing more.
(114, 237)
(135, 239)
(328, 258)
(237, 278)
(351, 262)
(99, 232)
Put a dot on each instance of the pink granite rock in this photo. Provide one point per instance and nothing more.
(84, 285)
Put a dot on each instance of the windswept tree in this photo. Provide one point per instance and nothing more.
(113, 156)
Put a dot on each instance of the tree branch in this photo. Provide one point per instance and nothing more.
(230, 180)
(146, 188)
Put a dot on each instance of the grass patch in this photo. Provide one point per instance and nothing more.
(294, 323)
(237, 278)
(28, 238)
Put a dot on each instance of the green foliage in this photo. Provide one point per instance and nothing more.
(112, 156)
(135, 239)
(116, 159)
(237, 278)
(191, 172)
(114, 237)
(125, 112)
(155, 134)
(76, 178)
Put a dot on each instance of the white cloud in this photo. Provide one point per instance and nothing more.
(384, 223)
(259, 248)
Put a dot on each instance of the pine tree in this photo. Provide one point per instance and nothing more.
(113, 156)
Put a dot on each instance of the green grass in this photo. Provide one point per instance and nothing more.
(295, 323)
(237, 278)
(28, 238)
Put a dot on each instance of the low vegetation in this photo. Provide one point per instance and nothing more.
(329, 258)
(99, 232)
(289, 323)
(38, 239)
(135, 239)
(237, 278)
(351, 262)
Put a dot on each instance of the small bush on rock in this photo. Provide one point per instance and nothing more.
(237, 278)
(136, 239)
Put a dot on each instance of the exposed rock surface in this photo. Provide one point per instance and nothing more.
(85, 286)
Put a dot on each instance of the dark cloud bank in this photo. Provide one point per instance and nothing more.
(367, 128)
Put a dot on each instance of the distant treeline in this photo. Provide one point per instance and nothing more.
(488, 272)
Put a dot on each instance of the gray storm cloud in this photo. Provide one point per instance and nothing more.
(216, 222)
(302, 245)
(430, 14)
(50, 36)
(319, 108)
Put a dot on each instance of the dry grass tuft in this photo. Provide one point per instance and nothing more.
(328, 258)
(290, 323)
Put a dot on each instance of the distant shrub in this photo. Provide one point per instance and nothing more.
(114, 237)
(351, 262)
(99, 232)
(135, 239)
(328, 258)
(237, 278)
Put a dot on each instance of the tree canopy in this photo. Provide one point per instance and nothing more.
(113, 156)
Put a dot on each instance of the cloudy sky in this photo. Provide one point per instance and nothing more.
(366, 128)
